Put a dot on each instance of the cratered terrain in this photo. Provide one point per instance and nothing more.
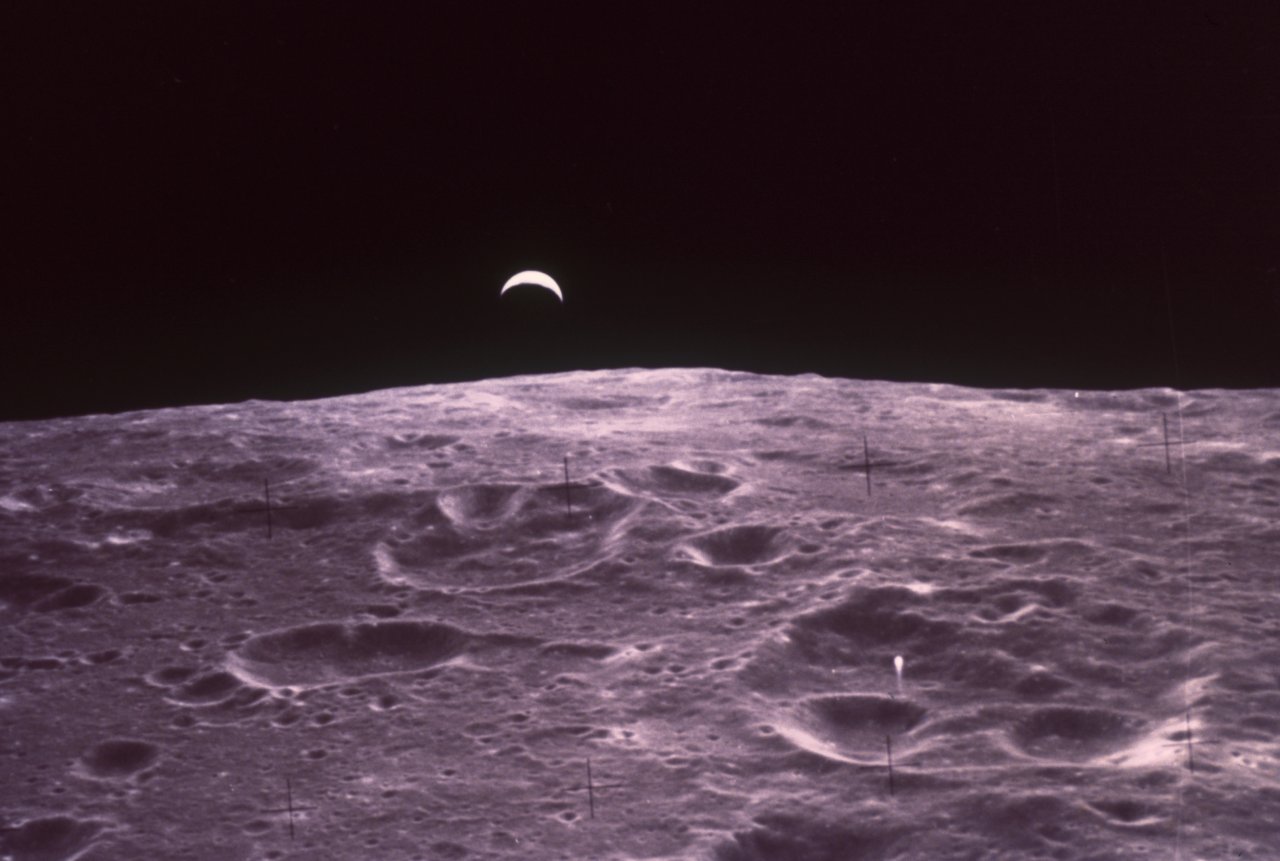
(398, 625)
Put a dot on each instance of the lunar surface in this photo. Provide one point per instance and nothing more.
(384, 626)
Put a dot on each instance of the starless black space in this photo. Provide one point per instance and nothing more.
(219, 200)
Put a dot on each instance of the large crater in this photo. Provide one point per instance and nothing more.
(335, 652)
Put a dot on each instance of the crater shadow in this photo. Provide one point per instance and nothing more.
(1074, 733)
(739, 545)
(119, 758)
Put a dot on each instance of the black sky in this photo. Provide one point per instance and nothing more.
(216, 201)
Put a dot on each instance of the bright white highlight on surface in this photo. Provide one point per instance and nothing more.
(533, 276)
(897, 666)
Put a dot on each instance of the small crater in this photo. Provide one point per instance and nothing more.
(119, 758)
(209, 688)
(676, 480)
(870, 716)
(739, 545)
(875, 617)
(55, 838)
(1123, 810)
(478, 502)
(1008, 603)
(1074, 733)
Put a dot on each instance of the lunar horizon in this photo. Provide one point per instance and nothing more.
(664, 614)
